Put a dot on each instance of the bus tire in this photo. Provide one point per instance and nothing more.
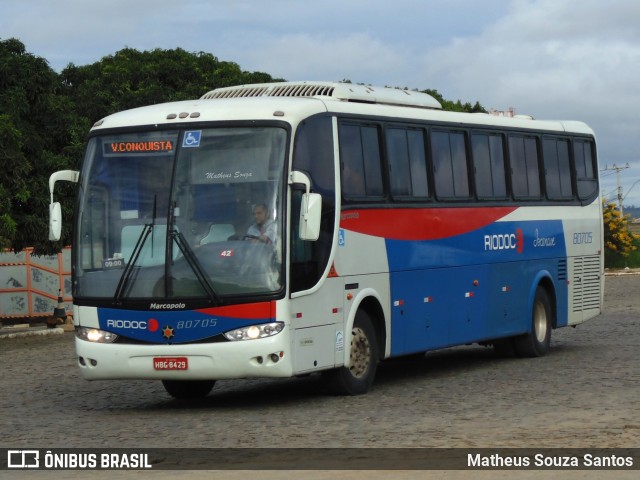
(188, 389)
(536, 343)
(363, 353)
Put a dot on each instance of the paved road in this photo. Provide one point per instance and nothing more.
(584, 394)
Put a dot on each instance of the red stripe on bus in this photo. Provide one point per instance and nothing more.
(420, 223)
(250, 311)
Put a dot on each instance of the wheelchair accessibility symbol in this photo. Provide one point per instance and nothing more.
(192, 138)
(341, 239)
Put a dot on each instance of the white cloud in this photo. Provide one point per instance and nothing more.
(555, 59)
(513, 58)
(321, 57)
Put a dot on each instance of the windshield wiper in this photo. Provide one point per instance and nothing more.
(126, 275)
(191, 259)
(195, 265)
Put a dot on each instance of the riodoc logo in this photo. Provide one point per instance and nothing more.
(151, 324)
(505, 241)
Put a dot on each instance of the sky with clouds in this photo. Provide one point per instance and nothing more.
(553, 59)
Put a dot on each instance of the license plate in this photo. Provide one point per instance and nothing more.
(170, 363)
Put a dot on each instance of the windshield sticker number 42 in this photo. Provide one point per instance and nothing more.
(226, 253)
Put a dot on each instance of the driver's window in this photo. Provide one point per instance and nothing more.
(313, 155)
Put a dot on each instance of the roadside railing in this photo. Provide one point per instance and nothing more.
(29, 284)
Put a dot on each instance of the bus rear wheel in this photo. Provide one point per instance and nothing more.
(536, 343)
(188, 389)
(363, 360)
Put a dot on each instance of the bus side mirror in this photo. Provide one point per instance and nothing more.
(310, 209)
(310, 214)
(55, 212)
(55, 221)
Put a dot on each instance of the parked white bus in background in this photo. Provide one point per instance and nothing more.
(394, 228)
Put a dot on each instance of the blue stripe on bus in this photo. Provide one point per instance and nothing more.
(170, 326)
(476, 286)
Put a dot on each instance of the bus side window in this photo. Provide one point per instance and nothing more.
(407, 163)
(557, 171)
(360, 160)
(525, 173)
(450, 164)
(586, 174)
(303, 265)
(488, 162)
(313, 154)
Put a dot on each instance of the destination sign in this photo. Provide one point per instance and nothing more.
(147, 146)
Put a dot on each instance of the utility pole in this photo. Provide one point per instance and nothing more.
(617, 169)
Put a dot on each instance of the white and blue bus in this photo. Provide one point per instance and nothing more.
(388, 227)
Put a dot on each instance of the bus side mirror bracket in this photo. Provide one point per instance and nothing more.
(55, 211)
(310, 209)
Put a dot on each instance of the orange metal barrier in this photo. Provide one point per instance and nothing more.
(29, 284)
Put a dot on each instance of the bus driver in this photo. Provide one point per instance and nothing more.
(263, 229)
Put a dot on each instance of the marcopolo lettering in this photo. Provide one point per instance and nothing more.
(167, 306)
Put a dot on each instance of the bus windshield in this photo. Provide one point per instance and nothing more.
(193, 214)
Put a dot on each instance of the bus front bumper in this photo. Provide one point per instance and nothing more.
(266, 357)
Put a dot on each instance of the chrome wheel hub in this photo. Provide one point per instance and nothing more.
(360, 353)
(540, 322)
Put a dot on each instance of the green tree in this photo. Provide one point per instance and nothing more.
(131, 78)
(456, 106)
(34, 133)
(13, 188)
(618, 240)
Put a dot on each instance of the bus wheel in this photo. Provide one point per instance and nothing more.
(363, 356)
(188, 388)
(536, 342)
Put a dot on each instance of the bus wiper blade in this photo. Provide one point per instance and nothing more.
(195, 265)
(126, 275)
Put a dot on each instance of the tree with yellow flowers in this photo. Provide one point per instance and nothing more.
(618, 240)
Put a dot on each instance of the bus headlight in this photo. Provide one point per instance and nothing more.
(255, 331)
(95, 335)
